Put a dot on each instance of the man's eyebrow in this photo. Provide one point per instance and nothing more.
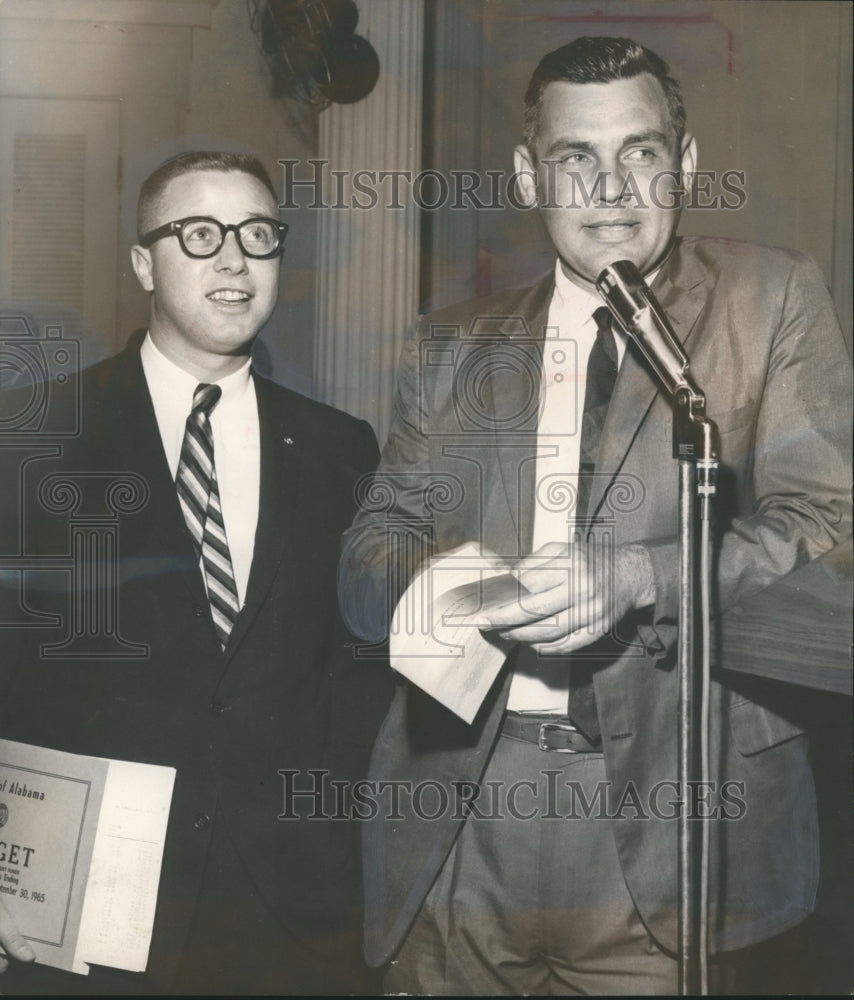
(653, 135)
(562, 145)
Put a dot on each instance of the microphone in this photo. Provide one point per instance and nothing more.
(635, 308)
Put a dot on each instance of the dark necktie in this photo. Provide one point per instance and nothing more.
(198, 494)
(601, 379)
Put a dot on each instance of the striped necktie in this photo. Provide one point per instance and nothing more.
(198, 494)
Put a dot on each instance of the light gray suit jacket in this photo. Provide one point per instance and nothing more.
(764, 343)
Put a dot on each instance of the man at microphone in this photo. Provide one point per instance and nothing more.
(554, 867)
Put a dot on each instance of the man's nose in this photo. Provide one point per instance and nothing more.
(614, 188)
(229, 256)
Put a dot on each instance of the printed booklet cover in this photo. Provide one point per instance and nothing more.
(81, 844)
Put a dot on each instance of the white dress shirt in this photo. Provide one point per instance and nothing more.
(569, 339)
(237, 445)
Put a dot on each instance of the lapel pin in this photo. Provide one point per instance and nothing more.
(288, 440)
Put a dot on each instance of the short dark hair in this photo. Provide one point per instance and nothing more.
(600, 60)
(187, 163)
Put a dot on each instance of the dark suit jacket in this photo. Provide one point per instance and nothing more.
(280, 696)
(459, 465)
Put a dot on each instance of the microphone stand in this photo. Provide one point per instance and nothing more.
(696, 447)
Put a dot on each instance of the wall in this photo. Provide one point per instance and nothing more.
(174, 75)
(767, 88)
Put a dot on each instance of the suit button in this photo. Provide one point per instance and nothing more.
(202, 821)
(198, 611)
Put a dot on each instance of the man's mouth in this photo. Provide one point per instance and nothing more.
(612, 221)
(229, 296)
(611, 229)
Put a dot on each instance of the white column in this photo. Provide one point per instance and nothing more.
(368, 259)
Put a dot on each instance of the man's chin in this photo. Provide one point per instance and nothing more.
(587, 279)
(644, 262)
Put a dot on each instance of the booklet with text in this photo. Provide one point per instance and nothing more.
(81, 844)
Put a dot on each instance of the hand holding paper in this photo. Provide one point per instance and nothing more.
(12, 944)
(568, 598)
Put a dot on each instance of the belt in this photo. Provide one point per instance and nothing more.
(549, 732)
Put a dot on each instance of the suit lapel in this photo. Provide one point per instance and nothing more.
(281, 464)
(681, 290)
(137, 445)
(513, 385)
(165, 533)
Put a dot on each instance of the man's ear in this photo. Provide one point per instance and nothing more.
(526, 176)
(141, 260)
(689, 159)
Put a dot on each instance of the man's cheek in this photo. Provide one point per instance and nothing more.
(666, 191)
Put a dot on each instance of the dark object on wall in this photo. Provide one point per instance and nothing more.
(312, 51)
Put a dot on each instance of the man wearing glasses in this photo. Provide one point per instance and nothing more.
(227, 576)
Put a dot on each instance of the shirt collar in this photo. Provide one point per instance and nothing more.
(573, 300)
(577, 301)
(168, 381)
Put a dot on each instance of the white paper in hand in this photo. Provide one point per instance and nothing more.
(436, 641)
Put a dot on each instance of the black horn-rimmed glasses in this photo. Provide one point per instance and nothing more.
(200, 236)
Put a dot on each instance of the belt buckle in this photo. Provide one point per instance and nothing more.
(564, 727)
